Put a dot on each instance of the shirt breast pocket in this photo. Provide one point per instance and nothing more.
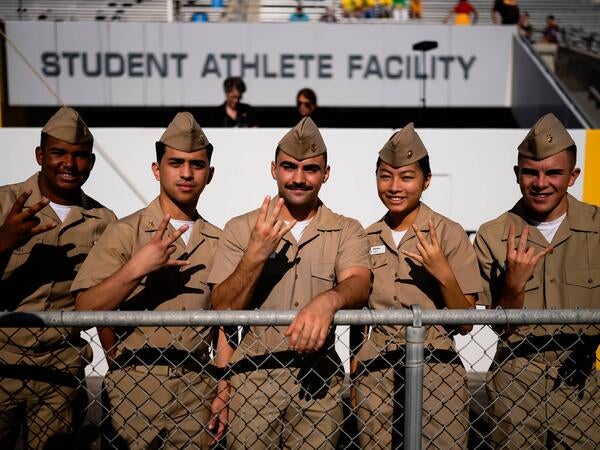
(583, 285)
(322, 277)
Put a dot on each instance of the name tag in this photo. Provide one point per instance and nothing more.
(377, 250)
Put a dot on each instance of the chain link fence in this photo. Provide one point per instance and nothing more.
(378, 383)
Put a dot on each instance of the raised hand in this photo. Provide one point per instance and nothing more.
(22, 224)
(521, 261)
(156, 254)
(268, 231)
(430, 254)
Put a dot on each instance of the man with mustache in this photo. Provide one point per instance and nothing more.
(291, 254)
(159, 386)
(544, 254)
(48, 226)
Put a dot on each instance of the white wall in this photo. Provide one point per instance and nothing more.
(472, 176)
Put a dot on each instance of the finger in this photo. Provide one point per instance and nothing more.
(307, 339)
(543, 253)
(177, 262)
(20, 202)
(510, 243)
(42, 228)
(322, 336)
(264, 208)
(287, 226)
(414, 256)
(420, 236)
(523, 240)
(36, 207)
(276, 211)
(422, 250)
(220, 431)
(433, 235)
(164, 224)
(171, 239)
(293, 332)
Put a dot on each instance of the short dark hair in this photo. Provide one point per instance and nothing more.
(424, 165)
(44, 141)
(309, 94)
(234, 82)
(278, 149)
(161, 148)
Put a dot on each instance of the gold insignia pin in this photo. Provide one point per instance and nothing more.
(409, 154)
(313, 147)
(549, 138)
(202, 140)
(150, 224)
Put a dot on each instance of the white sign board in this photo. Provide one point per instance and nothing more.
(173, 64)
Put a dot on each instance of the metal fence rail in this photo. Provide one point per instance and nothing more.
(406, 389)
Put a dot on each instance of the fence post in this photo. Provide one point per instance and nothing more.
(413, 379)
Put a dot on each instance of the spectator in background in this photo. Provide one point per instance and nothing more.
(306, 102)
(400, 11)
(464, 13)
(299, 15)
(234, 113)
(416, 9)
(550, 33)
(508, 10)
(328, 16)
(525, 27)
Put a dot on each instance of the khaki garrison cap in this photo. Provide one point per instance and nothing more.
(547, 137)
(184, 134)
(403, 148)
(303, 141)
(68, 126)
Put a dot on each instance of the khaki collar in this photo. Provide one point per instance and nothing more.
(578, 219)
(87, 207)
(153, 215)
(383, 229)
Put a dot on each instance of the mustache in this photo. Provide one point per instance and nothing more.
(300, 186)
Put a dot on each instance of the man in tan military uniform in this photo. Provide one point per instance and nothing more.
(418, 257)
(291, 254)
(544, 253)
(48, 227)
(159, 259)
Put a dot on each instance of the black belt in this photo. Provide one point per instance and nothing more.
(393, 358)
(39, 373)
(532, 345)
(167, 357)
(281, 360)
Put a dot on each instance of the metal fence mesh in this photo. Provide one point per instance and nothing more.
(541, 389)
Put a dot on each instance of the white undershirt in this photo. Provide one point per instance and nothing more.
(62, 211)
(299, 228)
(177, 224)
(549, 229)
(397, 236)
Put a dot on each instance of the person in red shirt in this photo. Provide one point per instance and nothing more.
(465, 13)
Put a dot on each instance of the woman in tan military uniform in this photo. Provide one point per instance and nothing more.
(418, 257)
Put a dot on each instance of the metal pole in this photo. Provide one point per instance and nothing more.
(413, 379)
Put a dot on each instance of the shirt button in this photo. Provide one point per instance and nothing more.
(396, 274)
(590, 281)
(395, 298)
(331, 277)
(296, 276)
(296, 303)
(552, 280)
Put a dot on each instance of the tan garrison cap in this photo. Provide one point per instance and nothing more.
(68, 126)
(303, 141)
(184, 134)
(547, 137)
(403, 148)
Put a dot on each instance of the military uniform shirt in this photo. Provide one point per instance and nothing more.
(39, 273)
(569, 277)
(296, 272)
(400, 281)
(173, 288)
